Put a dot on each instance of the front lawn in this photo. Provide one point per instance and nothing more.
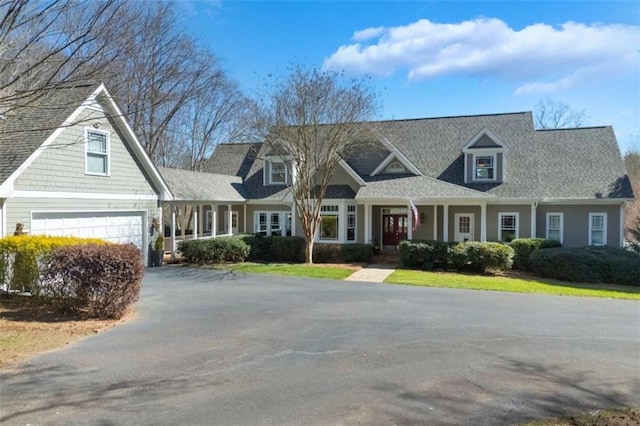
(516, 284)
(295, 270)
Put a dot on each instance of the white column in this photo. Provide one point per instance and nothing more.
(445, 223)
(195, 221)
(214, 220)
(435, 222)
(229, 217)
(293, 219)
(173, 231)
(409, 222)
(534, 207)
(367, 223)
(483, 222)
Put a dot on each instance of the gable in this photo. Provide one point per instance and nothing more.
(485, 141)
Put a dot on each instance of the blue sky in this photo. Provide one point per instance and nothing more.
(442, 58)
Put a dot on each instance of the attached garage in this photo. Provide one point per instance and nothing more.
(116, 227)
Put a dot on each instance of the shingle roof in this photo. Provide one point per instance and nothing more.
(199, 186)
(415, 188)
(25, 128)
(233, 159)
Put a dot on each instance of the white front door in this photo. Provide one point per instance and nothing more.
(234, 222)
(463, 227)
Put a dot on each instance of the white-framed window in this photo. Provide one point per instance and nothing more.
(351, 223)
(272, 223)
(329, 222)
(597, 229)
(96, 152)
(508, 226)
(275, 227)
(395, 167)
(484, 167)
(555, 226)
(261, 223)
(276, 172)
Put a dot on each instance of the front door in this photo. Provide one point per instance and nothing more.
(394, 229)
(234, 222)
(463, 227)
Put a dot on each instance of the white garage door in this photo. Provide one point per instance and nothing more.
(117, 227)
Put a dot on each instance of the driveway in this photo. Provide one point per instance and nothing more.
(210, 347)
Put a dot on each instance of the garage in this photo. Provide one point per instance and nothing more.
(116, 227)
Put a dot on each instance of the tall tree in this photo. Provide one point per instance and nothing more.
(632, 211)
(311, 119)
(550, 114)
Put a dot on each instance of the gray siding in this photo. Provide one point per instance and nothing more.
(524, 217)
(252, 208)
(360, 224)
(341, 177)
(475, 210)
(485, 142)
(499, 167)
(576, 223)
(61, 166)
(425, 230)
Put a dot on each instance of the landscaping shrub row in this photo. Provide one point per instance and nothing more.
(588, 264)
(525, 247)
(214, 250)
(72, 273)
(471, 255)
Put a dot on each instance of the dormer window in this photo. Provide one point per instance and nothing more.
(395, 168)
(485, 167)
(276, 173)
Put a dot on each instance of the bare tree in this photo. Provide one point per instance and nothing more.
(632, 211)
(550, 114)
(310, 120)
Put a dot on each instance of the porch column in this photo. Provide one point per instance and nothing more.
(534, 209)
(293, 219)
(214, 220)
(195, 221)
(201, 219)
(435, 222)
(445, 223)
(483, 222)
(409, 222)
(229, 217)
(367, 223)
(173, 231)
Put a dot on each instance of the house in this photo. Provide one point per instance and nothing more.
(485, 177)
(70, 164)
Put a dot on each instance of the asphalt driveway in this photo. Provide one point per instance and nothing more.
(210, 347)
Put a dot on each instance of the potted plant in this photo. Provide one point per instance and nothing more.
(158, 251)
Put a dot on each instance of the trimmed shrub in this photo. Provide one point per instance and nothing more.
(524, 247)
(287, 249)
(22, 258)
(356, 253)
(103, 280)
(326, 253)
(481, 256)
(588, 264)
(424, 254)
(214, 250)
(260, 246)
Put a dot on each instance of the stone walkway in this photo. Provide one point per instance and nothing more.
(374, 273)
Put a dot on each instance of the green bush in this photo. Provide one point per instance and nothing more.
(101, 280)
(356, 253)
(287, 249)
(214, 250)
(524, 247)
(588, 264)
(260, 246)
(424, 254)
(481, 256)
(326, 253)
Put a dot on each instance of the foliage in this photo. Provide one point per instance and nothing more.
(588, 264)
(529, 284)
(524, 247)
(356, 253)
(159, 244)
(22, 258)
(214, 250)
(287, 249)
(424, 254)
(103, 280)
(327, 253)
(259, 245)
(481, 256)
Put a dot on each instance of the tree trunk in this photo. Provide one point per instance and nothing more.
(308, 252)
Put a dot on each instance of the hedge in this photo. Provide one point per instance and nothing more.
(214, 250)
(360, 253)
(588, 265)
(22, 258)
(101, 280)
(470, 255)
(524, 247)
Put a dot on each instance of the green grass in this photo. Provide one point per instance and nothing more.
(294, 270)
(525, 284)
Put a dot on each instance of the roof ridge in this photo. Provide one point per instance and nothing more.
(574, 128)
(451, 116)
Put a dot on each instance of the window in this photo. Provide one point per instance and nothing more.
(597, 229)
(261, 226)
(271, 223)
(554, 226)
(275, 225)
(278, 173)
(351, 223)
(485, 167)
(395, 168)
(507, 226)
(97, 151)
(329, 222)
(288, 224)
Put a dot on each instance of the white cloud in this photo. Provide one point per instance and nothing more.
(543, 58)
